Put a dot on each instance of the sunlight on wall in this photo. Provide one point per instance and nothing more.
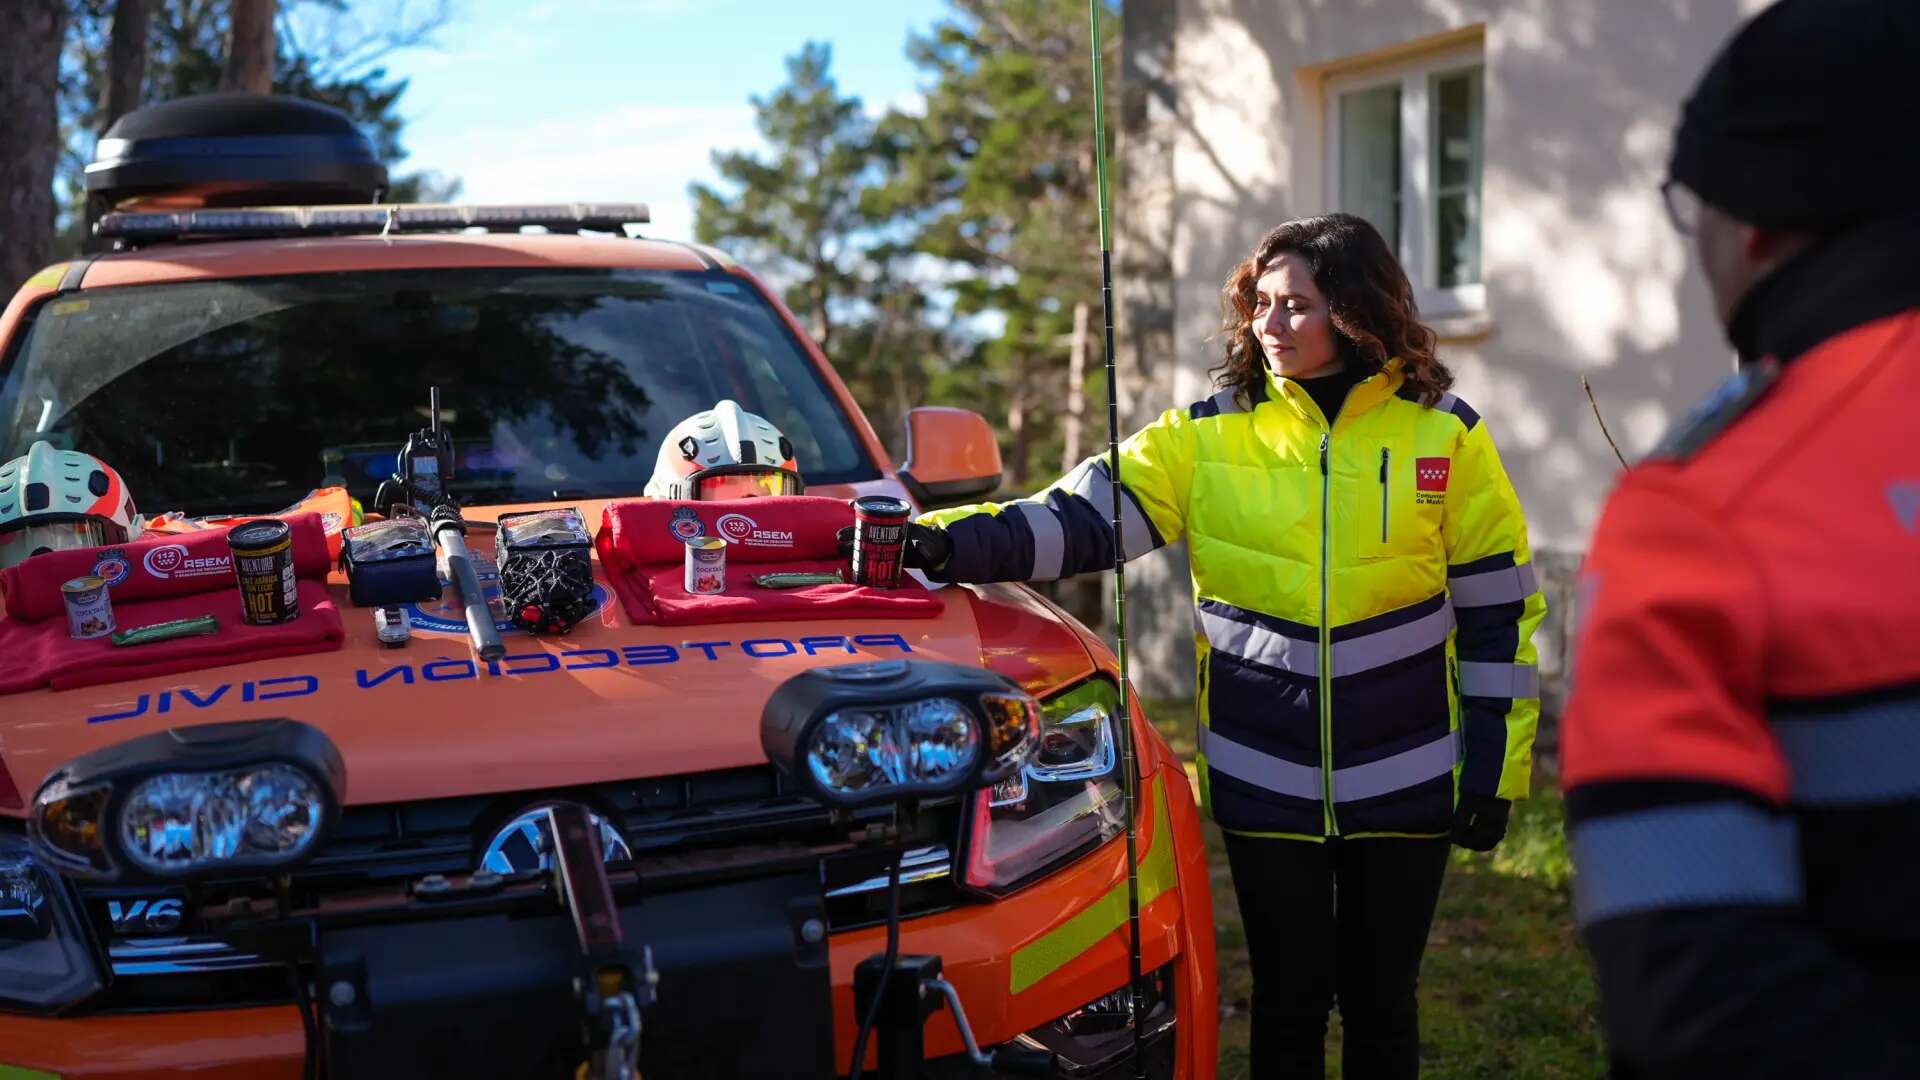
(1608, 270)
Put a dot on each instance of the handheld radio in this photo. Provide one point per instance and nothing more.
(423, 468)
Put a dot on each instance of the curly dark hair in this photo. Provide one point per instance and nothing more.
(1368, 297)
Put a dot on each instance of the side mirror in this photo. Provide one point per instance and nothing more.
(952, 457)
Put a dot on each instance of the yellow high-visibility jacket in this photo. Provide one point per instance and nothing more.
(1364, 597)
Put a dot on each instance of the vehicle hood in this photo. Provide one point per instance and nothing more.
(611, 700)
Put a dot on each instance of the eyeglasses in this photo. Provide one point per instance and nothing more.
(1683, 206)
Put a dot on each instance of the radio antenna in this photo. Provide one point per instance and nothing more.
(1130, 770)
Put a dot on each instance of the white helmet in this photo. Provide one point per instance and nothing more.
(725, 452)
(56, 500)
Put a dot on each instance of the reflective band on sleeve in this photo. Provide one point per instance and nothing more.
(1402, 770)
(1498, 680)
(1091, 482)
(1507, 586)
(1718, 854)
(1382, 647)
(1260, 644)
(1250, 766)
(1860, 754)
(1049, 541)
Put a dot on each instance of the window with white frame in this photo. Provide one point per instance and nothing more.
(1405, 149)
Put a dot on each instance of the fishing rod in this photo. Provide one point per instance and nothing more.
(1129, 770)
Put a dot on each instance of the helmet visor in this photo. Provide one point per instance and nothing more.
(18, 545)
(744, 482)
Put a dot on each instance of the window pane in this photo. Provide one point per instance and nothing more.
(1370, 158)
(1458, 112)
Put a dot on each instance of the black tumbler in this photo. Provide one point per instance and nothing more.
(879, 539)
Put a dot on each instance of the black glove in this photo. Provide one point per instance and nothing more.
(927, 546)
(1480, 821)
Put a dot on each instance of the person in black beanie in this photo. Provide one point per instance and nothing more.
(1741, 746)
(1800, 130)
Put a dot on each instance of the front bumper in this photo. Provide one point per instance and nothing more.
(978, 943)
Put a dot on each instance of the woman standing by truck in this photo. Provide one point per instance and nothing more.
(1365, 605)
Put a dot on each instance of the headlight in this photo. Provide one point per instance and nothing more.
(897, 731)
(45, 962)
(191, 802)
(1066, 801)
(174, 822)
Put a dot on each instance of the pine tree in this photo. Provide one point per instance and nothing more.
(997, 178)
(804, 214)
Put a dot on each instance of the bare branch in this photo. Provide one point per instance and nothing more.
(1603, 423)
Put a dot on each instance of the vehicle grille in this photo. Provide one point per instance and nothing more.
(678, 828)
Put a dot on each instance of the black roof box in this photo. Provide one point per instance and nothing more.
(232, 150)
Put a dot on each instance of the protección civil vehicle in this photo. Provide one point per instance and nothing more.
(581, 846)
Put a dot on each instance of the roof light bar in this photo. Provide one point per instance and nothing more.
(347, 220)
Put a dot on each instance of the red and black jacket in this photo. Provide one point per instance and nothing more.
(1742, 745)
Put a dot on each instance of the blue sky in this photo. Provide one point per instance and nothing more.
(560, 100)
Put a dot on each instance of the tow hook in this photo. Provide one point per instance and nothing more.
(615, 980)
(915, 991)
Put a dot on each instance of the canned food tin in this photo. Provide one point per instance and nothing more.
(706, 565)
(89, 610)
(879, 538)
(263, 562)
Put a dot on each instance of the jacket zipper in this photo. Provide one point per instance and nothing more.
(1383, 495)
(1326, 648)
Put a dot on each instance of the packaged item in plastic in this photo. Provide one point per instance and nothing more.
(390, 562)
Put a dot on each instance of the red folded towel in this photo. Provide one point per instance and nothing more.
(41, 654)
(148, 569)
(774, 529)
(645, 561)
(658, 594)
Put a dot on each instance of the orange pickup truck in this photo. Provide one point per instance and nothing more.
(228, 362)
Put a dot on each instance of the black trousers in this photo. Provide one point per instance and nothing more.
(1345, 920)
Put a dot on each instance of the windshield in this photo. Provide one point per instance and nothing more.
(241, 396)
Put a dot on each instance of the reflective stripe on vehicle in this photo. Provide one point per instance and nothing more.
(1505, 586)
(1852, 754)
(1061, 945)
(1049, 540)
(1479, 679)
(1397, 772)
(1692, 855)
(1260, 769)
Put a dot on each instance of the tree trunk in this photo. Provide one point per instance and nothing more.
(126, 61)
(250, 47)
(31, 32)
(1017, 448)
(1076, 389)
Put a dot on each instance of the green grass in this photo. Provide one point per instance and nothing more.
(1506, 990)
